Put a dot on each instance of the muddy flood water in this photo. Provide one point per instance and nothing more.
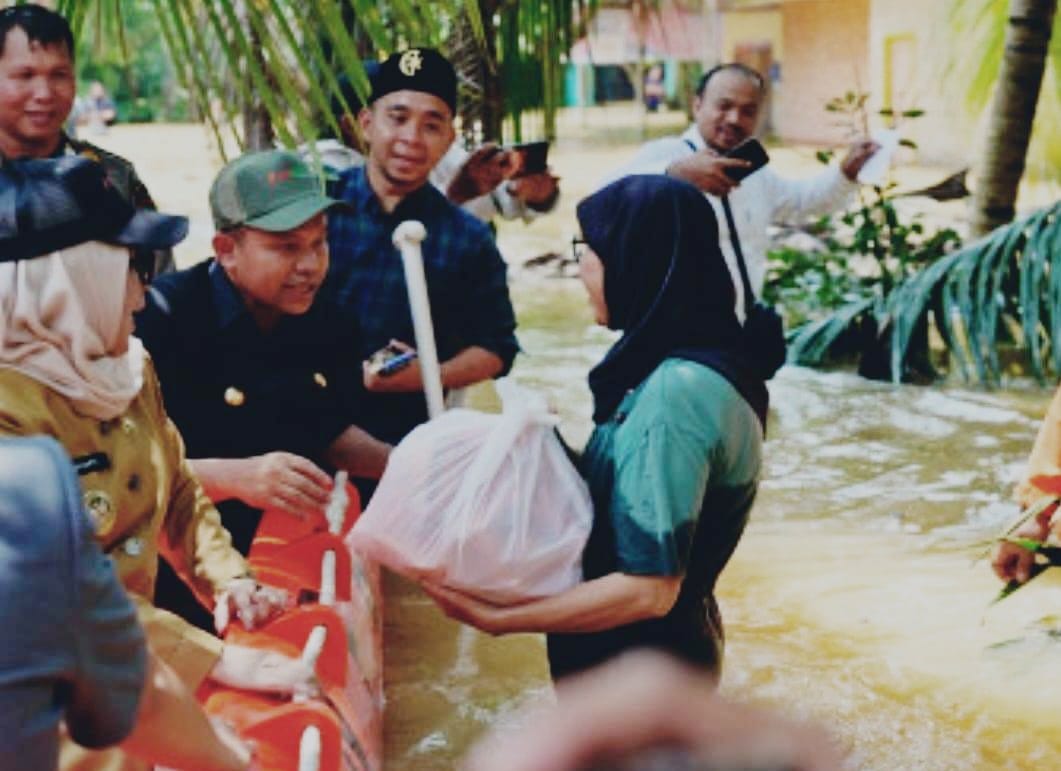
(853, 599)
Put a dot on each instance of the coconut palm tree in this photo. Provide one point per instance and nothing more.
(276, 62)
(1023, 63)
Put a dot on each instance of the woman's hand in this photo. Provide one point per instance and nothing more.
(259, 669)
(468, 610)
(1012, 562)
(252, 602)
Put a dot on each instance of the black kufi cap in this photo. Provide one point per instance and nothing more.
(416, 69)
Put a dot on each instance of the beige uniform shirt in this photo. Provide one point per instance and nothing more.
(1045, 459)
(146, 502)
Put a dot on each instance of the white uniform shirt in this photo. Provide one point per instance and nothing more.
(762, 198)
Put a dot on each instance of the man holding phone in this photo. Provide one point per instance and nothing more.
(716, 155)
(487, 182)
(409, 126)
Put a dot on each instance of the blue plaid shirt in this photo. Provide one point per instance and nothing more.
(466, 281)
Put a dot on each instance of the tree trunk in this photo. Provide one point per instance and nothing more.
(493, 106)
(1012, 112)
(257, 125)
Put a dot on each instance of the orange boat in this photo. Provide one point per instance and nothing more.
(336, 625)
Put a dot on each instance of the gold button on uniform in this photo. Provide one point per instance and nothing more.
(320, 380)
(134, 546)
(101, 509)
(234, 397)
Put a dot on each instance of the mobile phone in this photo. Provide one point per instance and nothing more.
(534, 158)
(749, 150)
(390, 359)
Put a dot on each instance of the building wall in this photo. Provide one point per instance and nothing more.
(910, 55)
(752, 26)
(826, 46)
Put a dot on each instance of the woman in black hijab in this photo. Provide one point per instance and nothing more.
(673, 463)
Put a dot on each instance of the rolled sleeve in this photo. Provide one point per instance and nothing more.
(490, 321)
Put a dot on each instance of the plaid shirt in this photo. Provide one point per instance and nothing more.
(466, 282)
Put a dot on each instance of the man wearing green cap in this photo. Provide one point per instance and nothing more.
(255, 360)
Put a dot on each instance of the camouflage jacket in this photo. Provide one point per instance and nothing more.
(123, 176)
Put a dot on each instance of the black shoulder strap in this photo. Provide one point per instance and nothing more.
(734, 239)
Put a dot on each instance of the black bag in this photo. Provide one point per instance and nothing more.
(765, 331)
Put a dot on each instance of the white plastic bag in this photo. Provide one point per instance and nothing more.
(488, 504)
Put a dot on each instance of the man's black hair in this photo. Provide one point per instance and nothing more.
(743, 69)
(41, 25)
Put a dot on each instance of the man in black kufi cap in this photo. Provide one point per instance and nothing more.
(409, 125)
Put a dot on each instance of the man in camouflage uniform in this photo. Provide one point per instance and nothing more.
(37, 90)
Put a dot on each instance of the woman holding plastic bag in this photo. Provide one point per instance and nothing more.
(673, 463)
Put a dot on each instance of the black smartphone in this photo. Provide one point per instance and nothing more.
(534, 158)
(752, 151)
(390, 359)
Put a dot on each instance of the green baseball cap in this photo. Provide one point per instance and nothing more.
(272, 190)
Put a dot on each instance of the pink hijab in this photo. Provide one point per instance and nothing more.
(60, 316)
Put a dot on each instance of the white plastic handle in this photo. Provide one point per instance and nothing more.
(407, 238)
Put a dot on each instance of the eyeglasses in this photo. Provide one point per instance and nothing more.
(578, 248)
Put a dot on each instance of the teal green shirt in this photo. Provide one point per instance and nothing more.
(673, 475)
(683, 432)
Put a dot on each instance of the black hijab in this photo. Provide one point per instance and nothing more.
(666, 286)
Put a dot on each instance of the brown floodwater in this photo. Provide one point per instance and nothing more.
(853, 599)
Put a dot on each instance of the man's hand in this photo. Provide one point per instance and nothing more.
(857, 156)
(406, 380)
(706, 170)
(538, 191)
(1014, 563)
(483, 170)
(284, 482)
(251, 602)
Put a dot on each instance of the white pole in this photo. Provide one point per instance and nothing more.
(407, 238)
(309, 750)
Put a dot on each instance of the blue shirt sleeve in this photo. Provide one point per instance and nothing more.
(489, 320)
(110, 656)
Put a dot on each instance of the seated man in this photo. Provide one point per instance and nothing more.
(72, 649)
(259, 367)
(409, 126)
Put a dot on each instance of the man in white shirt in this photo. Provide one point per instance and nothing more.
(726, 111)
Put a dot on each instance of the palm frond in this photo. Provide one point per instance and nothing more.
(966, 294)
